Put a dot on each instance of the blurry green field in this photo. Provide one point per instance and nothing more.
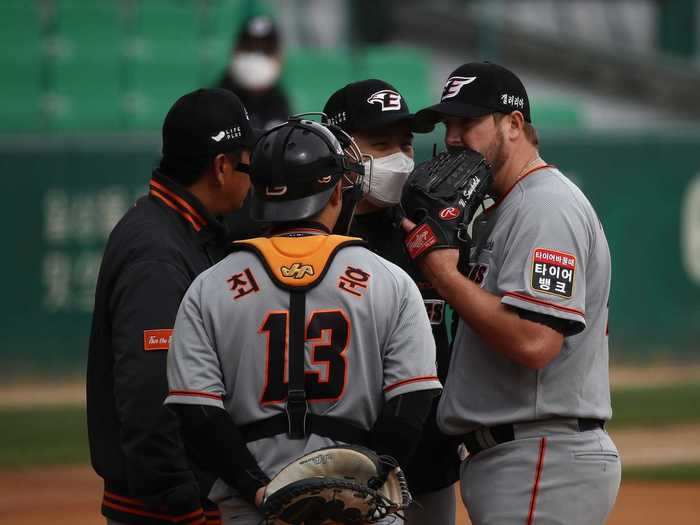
(654, 407)
(57, 435)
(44, 436)
(662, 473)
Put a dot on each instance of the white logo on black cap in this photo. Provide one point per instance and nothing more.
(338, 118)
(228, 134)
(389, 99)
(454, 85)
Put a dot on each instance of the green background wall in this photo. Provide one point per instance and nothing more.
(63, 195)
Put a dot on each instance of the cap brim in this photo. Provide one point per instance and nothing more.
(291, 210)
(428, 117)
(389, 118)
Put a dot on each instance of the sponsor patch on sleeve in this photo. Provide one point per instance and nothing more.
(157, 339)
(553, 272)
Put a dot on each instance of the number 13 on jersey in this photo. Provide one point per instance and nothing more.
(328, 332)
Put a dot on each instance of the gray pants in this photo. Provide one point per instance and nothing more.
(549, 475)
(433, 508)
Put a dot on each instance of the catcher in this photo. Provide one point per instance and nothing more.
(303, 340)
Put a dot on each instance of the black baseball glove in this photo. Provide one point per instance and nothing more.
(441, 196)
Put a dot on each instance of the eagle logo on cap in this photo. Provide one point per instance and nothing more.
(454, 85)
(390, 100)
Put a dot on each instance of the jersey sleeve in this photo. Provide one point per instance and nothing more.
(543, 269)
(194, 371)
(409, 356)
(143, 306)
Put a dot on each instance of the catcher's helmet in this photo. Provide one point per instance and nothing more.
(295, 166)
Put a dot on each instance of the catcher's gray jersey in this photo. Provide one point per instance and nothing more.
(542, 249)
(368, 339)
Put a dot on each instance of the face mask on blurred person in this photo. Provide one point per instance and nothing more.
(254, 70)
(388, 176)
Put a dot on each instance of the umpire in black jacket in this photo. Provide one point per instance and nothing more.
(153, 254)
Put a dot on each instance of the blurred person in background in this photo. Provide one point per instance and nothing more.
(254, 72)
(377, 116)
(153, 254)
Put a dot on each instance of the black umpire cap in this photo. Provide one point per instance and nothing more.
(369, 104)
(205, 123)
(477, 89)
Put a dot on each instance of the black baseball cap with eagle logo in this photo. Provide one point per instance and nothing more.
(477, 89)
(369, 104)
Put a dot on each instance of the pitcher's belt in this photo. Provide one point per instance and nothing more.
(487, 437)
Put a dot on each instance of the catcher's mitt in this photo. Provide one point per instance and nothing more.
(441, 197)
(348, 485)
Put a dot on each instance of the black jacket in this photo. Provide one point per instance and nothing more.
(152, 256)
(435, 464)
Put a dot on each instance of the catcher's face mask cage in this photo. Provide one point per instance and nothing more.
(296, 166)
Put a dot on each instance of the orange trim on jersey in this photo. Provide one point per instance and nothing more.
(124, 499)
(192, 393)
(544, 303)
(538, 478)
(156, 515)
(187, 216)
(181, 202)
(500, 200)
(412, 380)
(213, 517)
(199, 521)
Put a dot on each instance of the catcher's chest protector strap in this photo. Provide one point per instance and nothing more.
(297, 407)
(296, 264)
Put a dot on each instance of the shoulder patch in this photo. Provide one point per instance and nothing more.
(157, 339)
(553, 272)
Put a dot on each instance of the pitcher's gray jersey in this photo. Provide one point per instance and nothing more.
(542, 249)
(368, 339)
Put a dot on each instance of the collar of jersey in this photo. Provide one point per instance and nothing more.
(526, 174)
(300, 229)
(176, 197)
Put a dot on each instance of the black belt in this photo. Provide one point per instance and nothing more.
(504, 433)
(326, 426)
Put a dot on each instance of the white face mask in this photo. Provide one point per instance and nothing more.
(388, 176)
(254, 70)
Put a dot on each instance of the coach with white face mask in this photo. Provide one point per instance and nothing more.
(378, 118)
